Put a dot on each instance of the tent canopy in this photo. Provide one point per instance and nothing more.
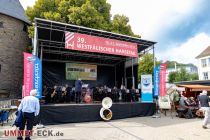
(196, 87)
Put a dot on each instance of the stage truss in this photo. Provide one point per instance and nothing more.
(49, 44)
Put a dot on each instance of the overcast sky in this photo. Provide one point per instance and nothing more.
(181, 27)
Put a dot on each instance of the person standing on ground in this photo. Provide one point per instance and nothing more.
(204, 102)
(30, 108)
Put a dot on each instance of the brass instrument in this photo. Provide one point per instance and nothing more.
(105, 112)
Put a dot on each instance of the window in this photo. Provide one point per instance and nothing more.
(205, 76)
(25, 28)
(1, 25)
(203, 62)
(209, 62)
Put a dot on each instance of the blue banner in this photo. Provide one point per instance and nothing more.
(146, 88)
(157, 81)
(37, 77)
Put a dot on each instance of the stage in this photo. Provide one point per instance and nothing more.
(73, 113)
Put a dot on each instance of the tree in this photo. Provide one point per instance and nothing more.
(194, 76)
(120, 25)
(146, 65)
(88, 13)
(172, 77)
(182, 75)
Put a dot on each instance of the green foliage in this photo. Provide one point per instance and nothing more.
(172, 77)
(146, 65)
(194, 76)
(182, 75)
(171, 64)
(120, 25)
(88, 13)
(28, 49)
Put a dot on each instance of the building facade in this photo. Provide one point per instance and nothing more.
(13, 42)
(204, 64)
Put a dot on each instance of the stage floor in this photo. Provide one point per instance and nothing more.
(72, 113)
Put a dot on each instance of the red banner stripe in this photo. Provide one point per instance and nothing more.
(88, 43)
(162, 79)
(69, 35)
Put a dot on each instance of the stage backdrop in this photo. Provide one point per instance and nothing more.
(54, 74)
(82, 71)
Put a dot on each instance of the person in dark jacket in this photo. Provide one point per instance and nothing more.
(78, 89)
(204, 102)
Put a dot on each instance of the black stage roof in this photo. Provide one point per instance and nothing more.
(51, 43)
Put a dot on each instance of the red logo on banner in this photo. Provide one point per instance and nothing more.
(82, 42)
(162, 79)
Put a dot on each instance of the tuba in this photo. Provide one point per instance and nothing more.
(105, 112)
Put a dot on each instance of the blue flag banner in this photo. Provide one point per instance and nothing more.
(146, 88)
(157, 81)
(37, 77)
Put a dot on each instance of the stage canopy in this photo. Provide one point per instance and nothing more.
(50, 44)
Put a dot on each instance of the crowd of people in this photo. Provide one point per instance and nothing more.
(78, 92)
(189, 107)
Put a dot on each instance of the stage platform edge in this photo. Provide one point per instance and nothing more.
(74, 113)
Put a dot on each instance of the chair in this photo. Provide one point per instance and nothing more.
(4, 116)
(200, 113)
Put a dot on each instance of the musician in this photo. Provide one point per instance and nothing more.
(54, 94)
(115, 94)
(101, 96)
(133, 94)
(63, 95)
(96, 93)
(46, 93)
(137, 95)
(105, 91)
(68, 92)
(78, 89)
(123, 92)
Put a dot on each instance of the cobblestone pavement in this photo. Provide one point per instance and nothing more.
(139, 128)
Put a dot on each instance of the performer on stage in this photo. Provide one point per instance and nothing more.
(46, 93)
(115, 94)
(78, 89)
(133, 94)
(54, 95)
(123, 92)
(68, 92)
